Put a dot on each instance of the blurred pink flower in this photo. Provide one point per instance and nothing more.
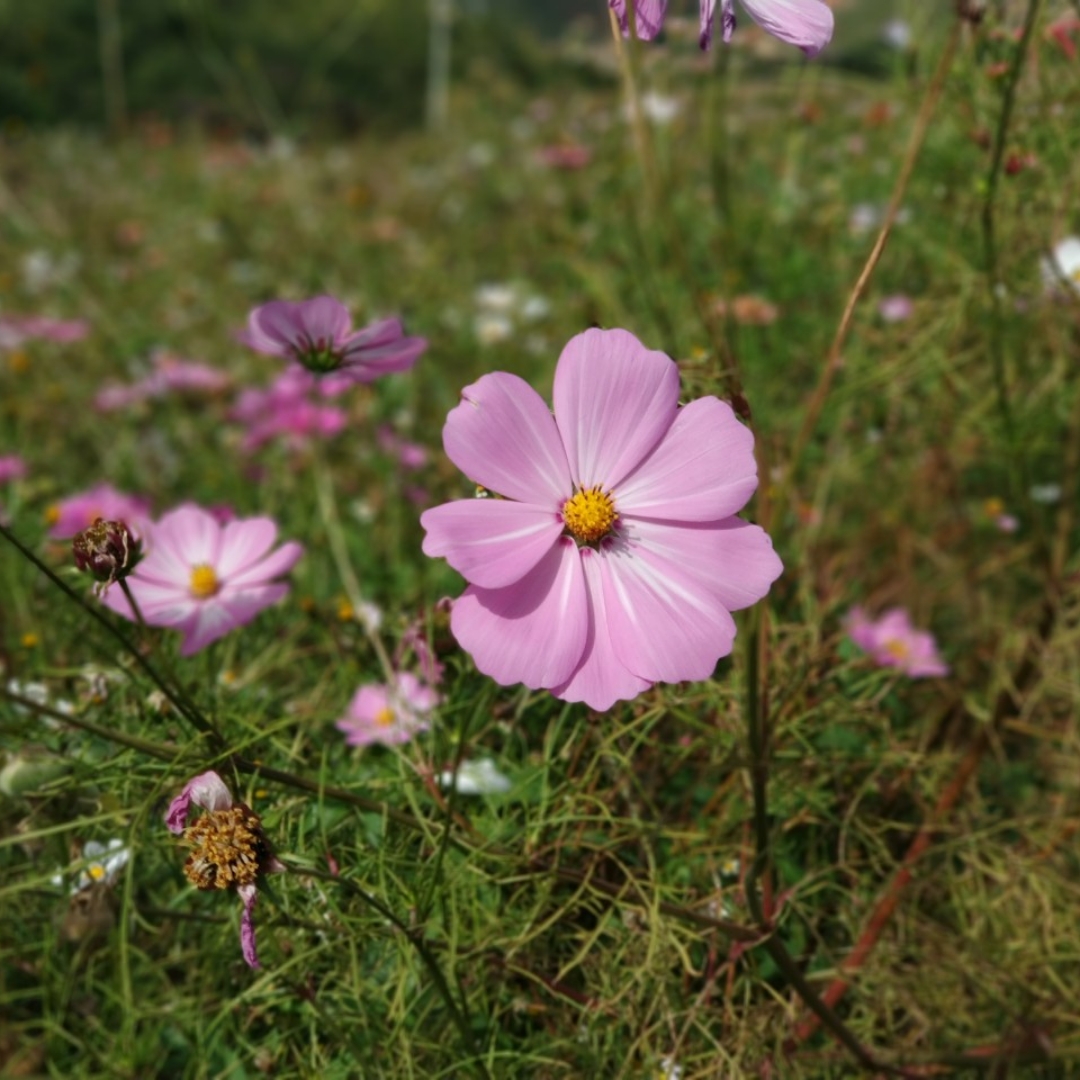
(613, 559)
(410, 455)
(203, 578)
(318, 334)
(171, 374)
(388, 714)
(230, 849)
(78, 512)
(807, 24)
(284, 410)
(15, 329)
(12, 467)
(896, 308)
(892, 641)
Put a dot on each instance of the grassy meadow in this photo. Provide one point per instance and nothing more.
(811, 865)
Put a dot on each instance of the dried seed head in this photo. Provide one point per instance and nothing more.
(230, 849)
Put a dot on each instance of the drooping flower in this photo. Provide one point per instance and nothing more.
(613, 558)
(229, 848)
(203, 578)
(807, 24)
(318, 334)
(891, 641)
(388, 714)
(78, 512)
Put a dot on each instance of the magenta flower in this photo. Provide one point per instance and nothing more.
(203, 578)
(892, 641)
(230, 849)
(612, 559)
(286, 411)
(12, 467)
(388, 714)
(318, 334)
(807, 24)
(78, 512)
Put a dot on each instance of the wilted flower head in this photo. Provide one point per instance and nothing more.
(107, 550)
(388, 714)
(807, 24)
(613, 558)
(318, 334)
(229, 848)
(892, 641)
(205, 579)
(78, 512)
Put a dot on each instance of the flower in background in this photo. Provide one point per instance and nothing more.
(897, 34)
(478, 777)
(78, 512)
(410, 456)
(12, 467)
(318, 335)
(807, 24)
(892, 641)
(748, 310)
(661, 109)
(15, 329)
(229, 848)
(286, 410)
(171, 374)
(205, 579)
(896, 308)
(1063, 265)
(102, 864)
(564, 155)
(613, 558)
(500, 306)
(388, 714)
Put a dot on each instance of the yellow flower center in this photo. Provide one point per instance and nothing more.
(96, 872)
(384, 717)
(230, 848)
(897, 649)
(52, 515)
(589, 515)
(204, 582)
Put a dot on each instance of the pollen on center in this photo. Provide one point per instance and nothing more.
(204, 582)
(589, 515)
(384, 717)
(897, 649)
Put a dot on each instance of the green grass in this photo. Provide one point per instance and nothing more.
(559, 918)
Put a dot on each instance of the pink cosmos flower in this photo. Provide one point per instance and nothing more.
(612, 558)
(285, 410)
(807, 24)
(78, 512)
(230, 849)
(896, 308)
(15, 329)
(12, 467)
(171, 374)
(318, 334)
(892, 641)
(388, 714)
(204, 578)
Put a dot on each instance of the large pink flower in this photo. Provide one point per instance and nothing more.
(318, 334)
(204, 578)
(807, 24)
(230, 849)
(892, 641)
(612, 559)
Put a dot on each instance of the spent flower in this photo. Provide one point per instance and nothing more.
(107, 550)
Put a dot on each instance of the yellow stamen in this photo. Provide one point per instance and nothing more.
(204, 582)
(52, 515)
(384, 717)
(230, 848)
(589, 515)
(96, 872)
(897, 649)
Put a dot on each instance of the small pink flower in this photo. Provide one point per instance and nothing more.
(614, 558)
(12, 467)
(15, 329)
(203, 578)
(78, 512)
(892, 641)
(230, 849)
(410, 455)
(318, 334)
(285, 411)
(388, 714)
(896, 308)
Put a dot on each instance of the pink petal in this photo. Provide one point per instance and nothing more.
(490, 542)
(273, 566)
(243, 543)
(225, 612)
(190, 534)
(207, 790)
(614, 401)
(533, 631)
(731, 559)
(601, 678)
(249, 895)
(708, 11)
(324, 319)
(502, 436)
(807, 24)
(648, 16)
(702, 470)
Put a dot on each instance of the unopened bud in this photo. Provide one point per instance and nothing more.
(107, 549)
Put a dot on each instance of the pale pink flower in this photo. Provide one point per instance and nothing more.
(171, 374)
(891, 641)
(807, 24)
(896, 308)
(15, 329)
(203, 578)
(388, 714)
(230, 849)
(12, 467)
(318, 334)
(78, 512)
(285, 411)
(613, 558)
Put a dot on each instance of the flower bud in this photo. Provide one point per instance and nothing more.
(107, 549)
